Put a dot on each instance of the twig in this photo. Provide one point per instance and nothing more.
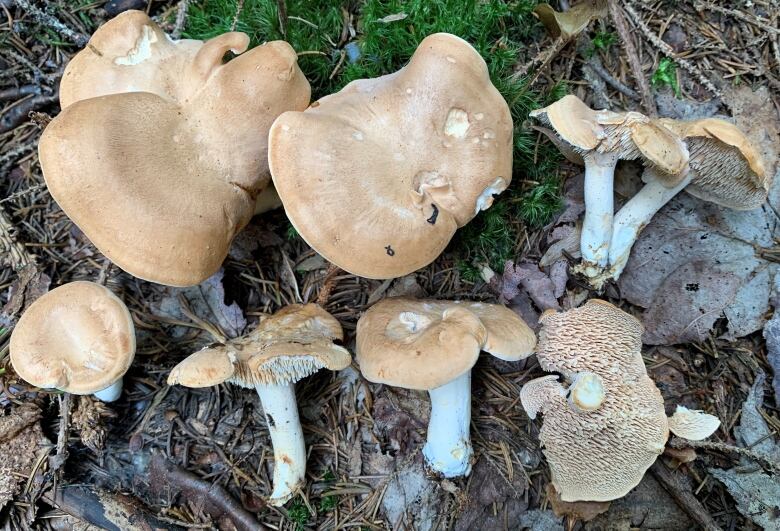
(236, 15)
(14, 93)
(58, 460)
(598, 68)
(282, 12)
(165, 475)
(700, 6)
(677, 442)
(16, 115)
(14, 253)
(16, 195)
(542, 58)
(621, 26)
(41, 17)
(669, 52)
(683, 496)
(181, 19)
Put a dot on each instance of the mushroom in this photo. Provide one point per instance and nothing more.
(602, 138)
(289, 345)
(725, 169)
(160, 152)
(78, 338)
(432, 346)
(603, 430)
(397, 163)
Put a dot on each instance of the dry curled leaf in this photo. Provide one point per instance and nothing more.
(532, 280)
(569, 24)
(21, 441)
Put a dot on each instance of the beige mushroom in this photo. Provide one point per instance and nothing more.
(160, 152)
(291, 344)
(78, 338)
(432, 346)
(725, 169)
(397, 163)
(601, 432)
(602, 138)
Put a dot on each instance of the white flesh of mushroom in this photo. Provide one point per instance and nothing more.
(284, 425)
(634, 216)
(597, 226)
(448, 447)
(110, 393)
(586, 392)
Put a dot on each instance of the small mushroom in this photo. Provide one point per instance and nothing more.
(160, 152)
(78, 338)
(603, 430)
(725, 169)
(291, 344)
(432, 346)
(397, 163)
(603, 138)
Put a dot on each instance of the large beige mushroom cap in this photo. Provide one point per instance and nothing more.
(596, 455)
(726, 168)
(289, 345)
(424, 344)
(161, 181)
(396, 163)
(78, 338)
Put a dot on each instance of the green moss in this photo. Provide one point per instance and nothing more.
(298, 513)
(666, 76)
(388, 32)
(328, 503)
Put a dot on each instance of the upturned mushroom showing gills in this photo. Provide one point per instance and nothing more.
(78, 338)
(725, 169)
(607, 425)
(160, 152)
(398, 163)
(289, 345)
(431, 346)
(602, 138)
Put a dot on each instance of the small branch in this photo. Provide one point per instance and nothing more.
(683, 496)
(598, 68)
(17, 114)
(236, 15)
(165, 475)
(700, 6)
(542, 58)
(14, 253)
(41, 17)
(181, 19)
(669, 52)
(328, 283)
(621, 26)
(677, 442)
(282, 11)
(14, 93)
(58, 460)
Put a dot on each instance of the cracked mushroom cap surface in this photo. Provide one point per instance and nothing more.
(596, 455)
(424, 344)
(78, 338)
(160, 185)
(726, 168)
(626, 135)
(397, 163)
(291, 344)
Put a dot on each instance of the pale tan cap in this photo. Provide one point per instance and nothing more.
(726, 168)
(424, 344)
(78, 338)
(161, 188)
(293, 343)
(396, 163)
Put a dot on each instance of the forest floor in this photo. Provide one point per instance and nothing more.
(182, 458)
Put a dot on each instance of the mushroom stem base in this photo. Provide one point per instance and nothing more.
(633, 217)
(281, 416)
(448, 448)
(110, 393)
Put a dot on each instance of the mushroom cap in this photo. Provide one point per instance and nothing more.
(692, 424)
(424, 344)
(396, 163)
(625, 135)
(597, 455)
(130, 53)
(725, 167)
(78, 338)
(161, 187)
(289, 345)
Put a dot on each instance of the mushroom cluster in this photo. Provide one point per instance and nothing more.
(605, 425)
(710, 159)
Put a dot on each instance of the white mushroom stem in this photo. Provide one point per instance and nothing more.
(281, 415)
(634, 216)
(110, 393)
(448, 448)
(597, 226)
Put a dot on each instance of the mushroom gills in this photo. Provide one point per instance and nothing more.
(284, 425)
(448, 447)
